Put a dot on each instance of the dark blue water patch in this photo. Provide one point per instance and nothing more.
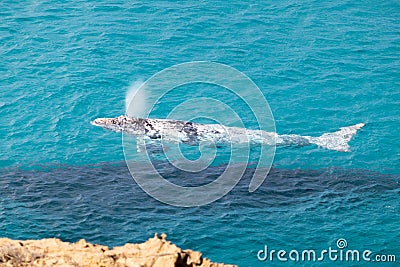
(103, 204)
(58, 201)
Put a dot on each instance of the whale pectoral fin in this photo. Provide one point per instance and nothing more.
(140, 144)
(152, 146)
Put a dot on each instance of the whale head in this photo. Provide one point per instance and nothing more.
(120, 124)
(114, 124)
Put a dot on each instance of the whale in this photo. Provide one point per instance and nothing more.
(194, 133)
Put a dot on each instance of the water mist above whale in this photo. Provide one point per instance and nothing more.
(194, 133)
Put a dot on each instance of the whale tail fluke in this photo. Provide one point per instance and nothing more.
(338, 141)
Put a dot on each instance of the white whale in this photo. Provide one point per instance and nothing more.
(194, 133)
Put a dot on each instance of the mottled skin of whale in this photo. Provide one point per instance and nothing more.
(194, 133)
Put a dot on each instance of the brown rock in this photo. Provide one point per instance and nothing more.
(155, 252)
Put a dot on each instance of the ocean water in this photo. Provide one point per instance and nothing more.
(320, 65)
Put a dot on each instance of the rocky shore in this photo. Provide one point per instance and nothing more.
(156, 252)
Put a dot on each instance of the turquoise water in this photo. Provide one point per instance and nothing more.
(321, 66)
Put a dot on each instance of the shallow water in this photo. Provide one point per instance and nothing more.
(321, 66)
